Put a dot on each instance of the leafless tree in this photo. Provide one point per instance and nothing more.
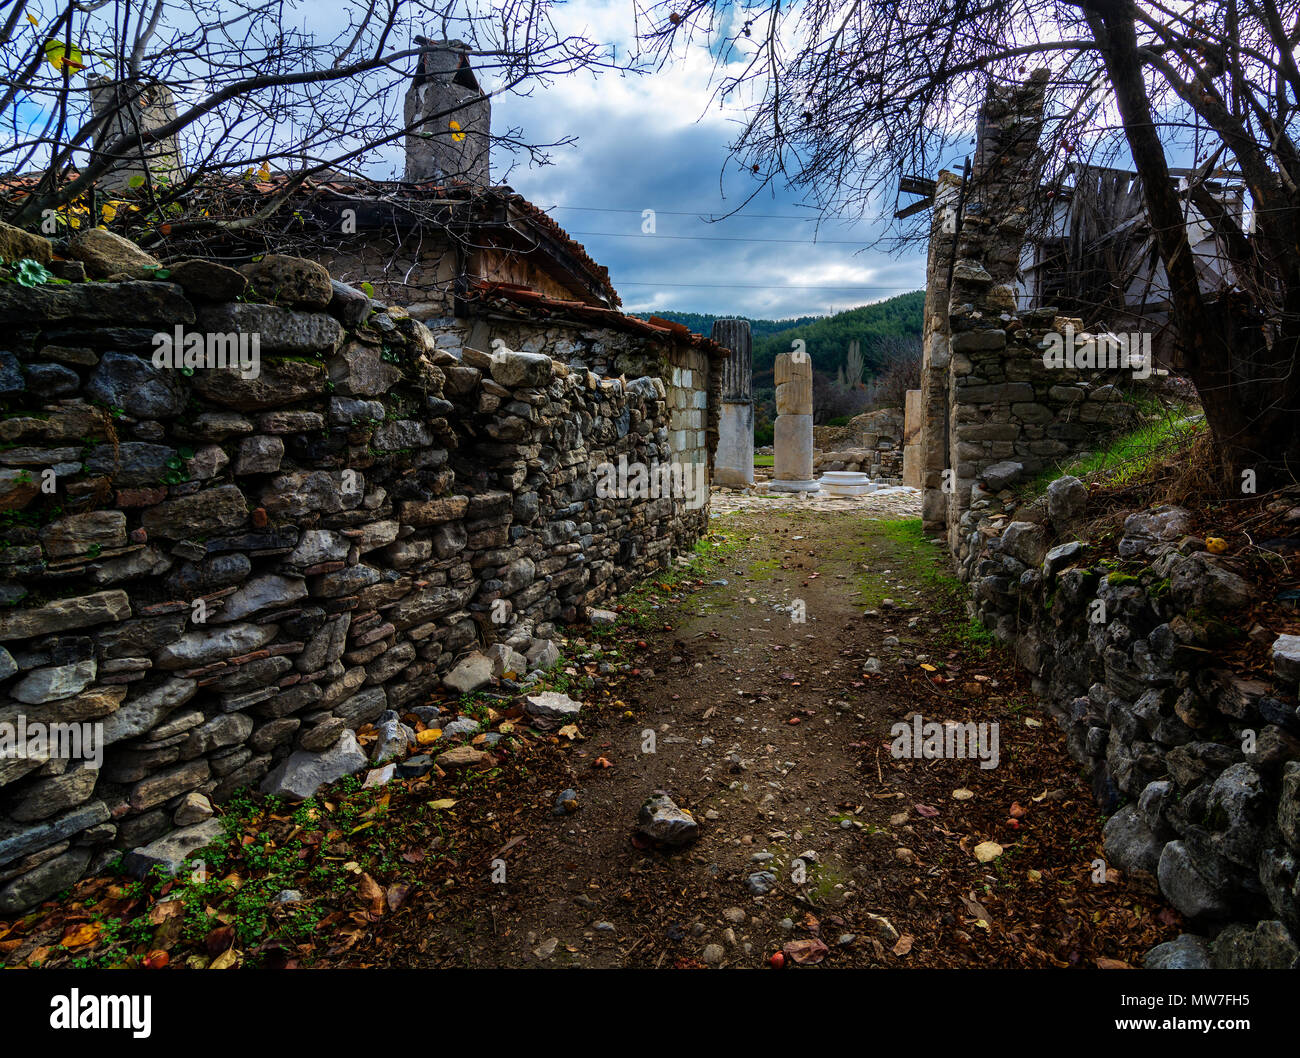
(255, 87)
(900, 370)
(844, 96)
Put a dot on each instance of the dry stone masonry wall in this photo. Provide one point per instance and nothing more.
(221, 569)
(1197, 765)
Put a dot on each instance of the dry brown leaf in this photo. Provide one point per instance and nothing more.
(372, 893)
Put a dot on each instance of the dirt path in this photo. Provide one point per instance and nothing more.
(775, 734)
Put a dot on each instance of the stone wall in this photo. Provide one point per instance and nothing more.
(871, 443)
(993, 413)
(1197, 764)
(219, 570)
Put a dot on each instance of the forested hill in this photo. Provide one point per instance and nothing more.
(826, 337)
(702, 323)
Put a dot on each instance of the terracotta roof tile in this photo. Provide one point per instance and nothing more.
(534, 300)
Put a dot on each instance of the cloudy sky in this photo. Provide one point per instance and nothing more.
(642, 142)
(651, 142)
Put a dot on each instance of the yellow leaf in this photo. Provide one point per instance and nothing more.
(456, 133)
(264, 173)
(1216, 545)
(1035, 876)
(80, 936)
(987, 850)
(445, 802)
(570, 731)
(32, 19)
(429, 734)
(929, 668)
(225, 960)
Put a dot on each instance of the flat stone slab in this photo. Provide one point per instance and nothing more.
(469, 675)
(171, 851)
(304, 772)
(794, 486)
(552, 704)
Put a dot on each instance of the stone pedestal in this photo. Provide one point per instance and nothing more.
(733, 461)
(846, 483)
(792, 439)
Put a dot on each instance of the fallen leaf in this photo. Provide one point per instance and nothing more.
(162, 911)
(987, 850)
(80, 936)
(962, 794)
(396, 896)
(904, 944)
(371, 892)
(225, 960)
(926, 811)
(219, 939)
(806, 951)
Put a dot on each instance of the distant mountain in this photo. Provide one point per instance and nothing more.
(825, 337)
(702, 322)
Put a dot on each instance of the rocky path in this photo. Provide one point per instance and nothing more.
(762, 704)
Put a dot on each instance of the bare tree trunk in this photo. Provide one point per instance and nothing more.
(1248, 386)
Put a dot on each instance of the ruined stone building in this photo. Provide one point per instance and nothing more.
(422, 477)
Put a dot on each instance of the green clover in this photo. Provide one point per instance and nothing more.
(29, 273)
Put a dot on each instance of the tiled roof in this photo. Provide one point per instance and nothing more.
(514, 295)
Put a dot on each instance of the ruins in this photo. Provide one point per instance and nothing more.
(792, 443)
(734, 461)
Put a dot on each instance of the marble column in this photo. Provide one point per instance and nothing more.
(733, 463)
(792, 443)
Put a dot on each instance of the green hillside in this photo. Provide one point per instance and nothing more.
(702, 322)
(826, 337)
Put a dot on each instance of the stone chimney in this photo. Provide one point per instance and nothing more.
(450, 117)
(133, 110)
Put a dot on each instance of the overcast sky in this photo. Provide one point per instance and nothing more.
(650, 142)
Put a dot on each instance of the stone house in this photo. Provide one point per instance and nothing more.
(478, 263)
(235, 572)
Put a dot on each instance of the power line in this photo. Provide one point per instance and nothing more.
(705, 212)
(759, 286)
(713, 238)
